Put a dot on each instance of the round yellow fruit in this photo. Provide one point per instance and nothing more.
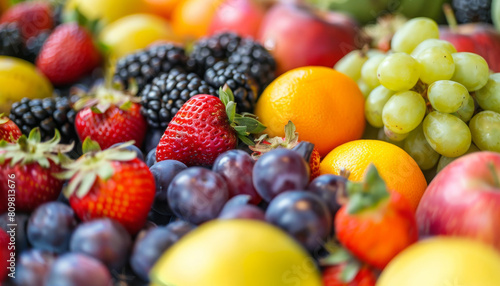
(444, 261)
(19, 79)
(106, 10)
(135, 32)
(236, 252)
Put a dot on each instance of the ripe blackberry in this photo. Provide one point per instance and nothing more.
(167, 93)
(11, 41)
(244, 87)
(471, 11)
(145, 65)
(48, 114)
(34, 45)
(208, 51)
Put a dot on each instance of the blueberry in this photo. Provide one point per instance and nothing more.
(134, 148)
(164, 172)
(76, 269)
(33, 267)
(50, 227)
(151, 158)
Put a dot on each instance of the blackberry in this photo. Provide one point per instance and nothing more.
(34, 45)
(471, 11)
(48, 114)
(167, 93)
(244, 87)
(208, 51)
(11, 41)
(145, 65)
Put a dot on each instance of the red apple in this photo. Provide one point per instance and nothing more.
(464, 200)
(299, 36)
(240, 16)
(482, 39)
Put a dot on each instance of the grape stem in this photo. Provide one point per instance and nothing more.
(493, 171)
(450, 17)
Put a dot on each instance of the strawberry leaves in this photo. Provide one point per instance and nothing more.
(366, 194)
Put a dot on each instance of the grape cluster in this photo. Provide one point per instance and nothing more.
(426, 97)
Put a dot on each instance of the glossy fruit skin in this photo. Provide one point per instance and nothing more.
(50, 227)
(327, 107)
(191, 18)
(460, 261)
(33, 18)
(125, 197)
(303, 216)
(68, 54)
(242, 212)
(34, 266)
(197, 195)
(327, 188)
(278, 171)
(332, 277)
(103, 239)
(4, 254)
(164, 172)
(396, 167)
(363, 234)
(151, 158)
(265, 249)
(236, 167)
(113, 126)
(243, 17)
(198, 133)
(9, 130)
(75, 269)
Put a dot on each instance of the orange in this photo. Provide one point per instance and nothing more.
(163, 8)
(398, 169)
(326, 107)
(191, 18)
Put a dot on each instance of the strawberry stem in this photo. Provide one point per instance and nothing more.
(366, 194)
(450, 17)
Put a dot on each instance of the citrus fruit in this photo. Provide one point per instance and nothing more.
(18, 79)
(398, 169)
(443, 261)
(135, 32)
(163, 8)
(107, 11)
(235, 252)
(325, 105)
(191, 18)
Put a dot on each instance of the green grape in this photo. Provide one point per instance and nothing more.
(351, 64)
(365, 89)
(433, 43)
(398, 72)
(374, 105)
(471, 70)
(419, 149)
(444, 161)
(374, 52)
(403, 112)
(467, 110)
(488, 97)
(446, 134)
(447, 96)
(485, 129)
(394, 136)
(436, 64)
(369, 70)
(383, 137)
(412, 33)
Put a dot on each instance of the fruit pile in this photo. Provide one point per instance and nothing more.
(244, 142)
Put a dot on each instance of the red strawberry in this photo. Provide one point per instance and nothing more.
(68, 54)
(109, 118)
(32, 17)
(291, 140)
(204, 128)
(28, 168)
(8, 130)
(112, 183)
(337, 275)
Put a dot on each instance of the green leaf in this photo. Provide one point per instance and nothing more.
(253, 126)
(368, 193)
(228, 91)
(246, 140)
(241, 130)
(35, 135)
(126, 106)
(90, 145)
(339, 256)
(122, 155)
(231, 111)
(96, 110)
(73, 184)
(105, 171)
(86, 183)
(44, 163)
(56, 138)
(350, 271)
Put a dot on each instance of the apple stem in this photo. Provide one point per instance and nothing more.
(493, 171)
(450, 17)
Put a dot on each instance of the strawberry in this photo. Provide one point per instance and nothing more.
(370, 214)
(290, 141)
(69, 53)
(27, 169)
(112, 183)
(32, 17)
(204, 128)
(336, 276)
(8, 130)
(110, 116)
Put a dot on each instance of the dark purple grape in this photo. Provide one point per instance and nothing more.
(278, 171)
(236, 167)
(151, 158)
(157, 218)
(197, 195)
(149, 248)
(134, 148)
(103, 239)
(75, 269)
(164, 172)
(33, 267)
(152, 139)
(50, 227)
(303, 216)
(243, 212)
(327, 187)
(18, 226)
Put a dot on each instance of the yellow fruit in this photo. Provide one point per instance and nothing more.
(192, 18)
(236, 253)
(325, 105)
(135, 32)
(18, 79)
(106, 10)
(443, 261)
